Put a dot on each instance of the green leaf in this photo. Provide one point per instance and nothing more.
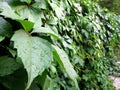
(46, 30)
(40, 4)
(35, 52)
(13, 52)
(13, 2)
(31, 14)
(27, 25)
(48, 84)
(5, 28)
(7, 11)
(2, 38)
(36, 17)
(23, 11)
(64, 62)
(85, 33)
(7, 65)
(27, 1)
(58, 10)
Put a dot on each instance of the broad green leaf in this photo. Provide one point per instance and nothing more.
(5, 28)
(40, 4)
(46, 30)
(23, 11)
(36, 17)
(19, 12)
(29, 13)
(58, 10)
(27, 25)
(64, 62)
(7, 65)
(2, 38)
(7, 11)
(35, 52)
(27, 1)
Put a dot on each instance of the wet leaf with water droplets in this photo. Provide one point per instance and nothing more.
(35, 52)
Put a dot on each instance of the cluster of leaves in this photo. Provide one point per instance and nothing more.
(112, 5)
(56, 44)
(115, 67)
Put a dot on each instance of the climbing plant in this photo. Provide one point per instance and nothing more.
(56, 44)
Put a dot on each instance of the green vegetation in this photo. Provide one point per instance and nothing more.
(56, 45)
(112, 5)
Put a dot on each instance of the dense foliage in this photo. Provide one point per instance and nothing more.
(56, 44)
(112, 5)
